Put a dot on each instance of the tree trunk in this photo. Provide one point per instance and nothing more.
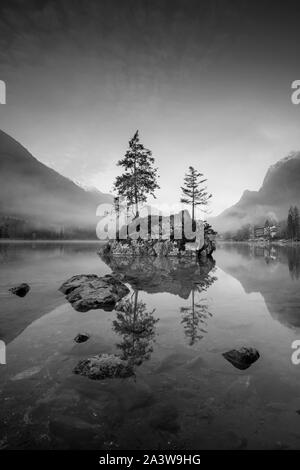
(135, 191)
(193, 206)
(136, 294)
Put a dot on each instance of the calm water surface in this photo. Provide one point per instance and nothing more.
(184, 394)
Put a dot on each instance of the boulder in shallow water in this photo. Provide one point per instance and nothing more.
(104, 366)
(26, 374)
(76, 281)
(88, 291)
(242, 358)
(20, 290)
(81, 338)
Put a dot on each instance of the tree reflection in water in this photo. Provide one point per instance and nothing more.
(162, 274)
(136, 325)
(180, 277)
(293, 256)
(194, 317)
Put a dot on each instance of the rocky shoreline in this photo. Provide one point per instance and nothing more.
(158, 248)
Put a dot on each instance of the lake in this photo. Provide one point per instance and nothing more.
(184, 394)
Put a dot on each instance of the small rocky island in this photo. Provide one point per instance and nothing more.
(200, 244)
(160, 248)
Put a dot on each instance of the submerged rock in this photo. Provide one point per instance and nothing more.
(76, 281)
(89, 291)
(21, 290)
(81, 337)
(104, 366)
(27, 373)
(242, 358)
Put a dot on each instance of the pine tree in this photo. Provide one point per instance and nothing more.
(208, 230)
(290, 224)
(140, 176)
(296, 223)
(194, 193)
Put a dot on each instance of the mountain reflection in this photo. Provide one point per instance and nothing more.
(136, 325)
(273, 271)
(289, 255)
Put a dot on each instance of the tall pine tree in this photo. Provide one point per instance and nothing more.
(296, 223)
(139, 178)
(293, 223)
(193, 191)
(290, 224)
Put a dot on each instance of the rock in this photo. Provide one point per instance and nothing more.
(88, 291)
(81, 337)
(26, 374)
(105, 249)
(76, 281)
(21, 290)
(156, 247)
(104, 366)
(242, 358)
(159, 248)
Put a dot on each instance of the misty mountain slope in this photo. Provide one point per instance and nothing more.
(280, 190)
(30, 189)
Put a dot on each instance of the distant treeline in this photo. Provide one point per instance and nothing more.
(14, 228)
(293, 224)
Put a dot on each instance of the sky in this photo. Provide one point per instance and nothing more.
(207, 83)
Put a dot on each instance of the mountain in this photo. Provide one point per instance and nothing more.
(280, 190)
(32, 191)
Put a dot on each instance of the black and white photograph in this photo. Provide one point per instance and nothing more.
(149, 230)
